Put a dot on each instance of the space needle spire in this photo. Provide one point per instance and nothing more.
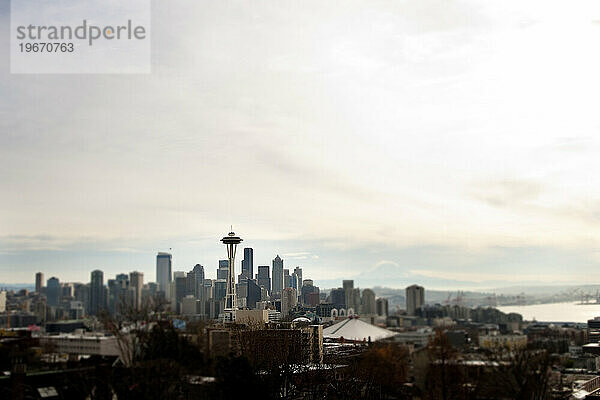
(231, 241)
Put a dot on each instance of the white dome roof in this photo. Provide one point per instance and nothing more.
(355, 329)
(301, 319)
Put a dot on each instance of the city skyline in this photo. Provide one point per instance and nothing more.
(432, 145)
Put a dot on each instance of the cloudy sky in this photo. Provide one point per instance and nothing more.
(448, 143)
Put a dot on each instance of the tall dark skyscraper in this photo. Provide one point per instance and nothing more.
(136, 281)
(253, 293)
(53, 291)
(97, 292)
(287, 279)
(180, 288)
(220, 289)
(338, 297)
(348, 287)
(277, 284)
(248, 263)
(39, 281)
(415, 298)
(198, 281)
(382, 307)
(263, 277)
(164, 267)
(223, 271)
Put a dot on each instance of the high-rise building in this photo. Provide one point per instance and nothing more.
(164, 265)
(67, 290)
(208, 289)
(348, 285)
(219, 289)
(354, 301)
(287, 279)
(97, 298)
(198, 276)
(289, 300)
(263, 277)
(254, 294)
(53, 292)
(113, 295)
(223, 271)
(297, 279)
(308, 288)
(190, 305)
(3, 301)
(277, 283)
(368, 306)
(82, 294)
(415, 298)
(382, 307)
(180, 289)
(136, 281)
(39, 282)
(248, 263)
(337, 297)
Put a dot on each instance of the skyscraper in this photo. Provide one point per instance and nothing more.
(220, 289)
(382, 307)
(163, 270)
(297, 279)
(337, 297)
(248, 263)
(307, 289)
(368, 302)
(180, 278)
(348, 286)
(198, 271)
(277, 283)
(39, 282)
(53, 291)
(223, 270)
(415, 298)
(254, 293)
(136, 281)
(289, 300)
(287, 279)
(355, 301)
(97, 292)
(263, 277)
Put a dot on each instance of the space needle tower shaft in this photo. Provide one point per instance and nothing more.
(231, 241)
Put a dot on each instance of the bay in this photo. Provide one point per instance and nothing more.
(555, 312)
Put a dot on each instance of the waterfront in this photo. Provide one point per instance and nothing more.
(555, 312)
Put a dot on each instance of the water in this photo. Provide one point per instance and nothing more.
(555, 312)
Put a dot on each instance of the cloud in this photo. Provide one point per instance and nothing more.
(508, 192)
(401, 132)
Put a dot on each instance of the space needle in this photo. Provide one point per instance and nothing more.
(231, 241)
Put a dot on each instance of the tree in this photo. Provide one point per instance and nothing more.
(443, 376)
(521, 374)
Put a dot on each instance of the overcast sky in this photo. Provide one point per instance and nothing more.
(449, 143)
